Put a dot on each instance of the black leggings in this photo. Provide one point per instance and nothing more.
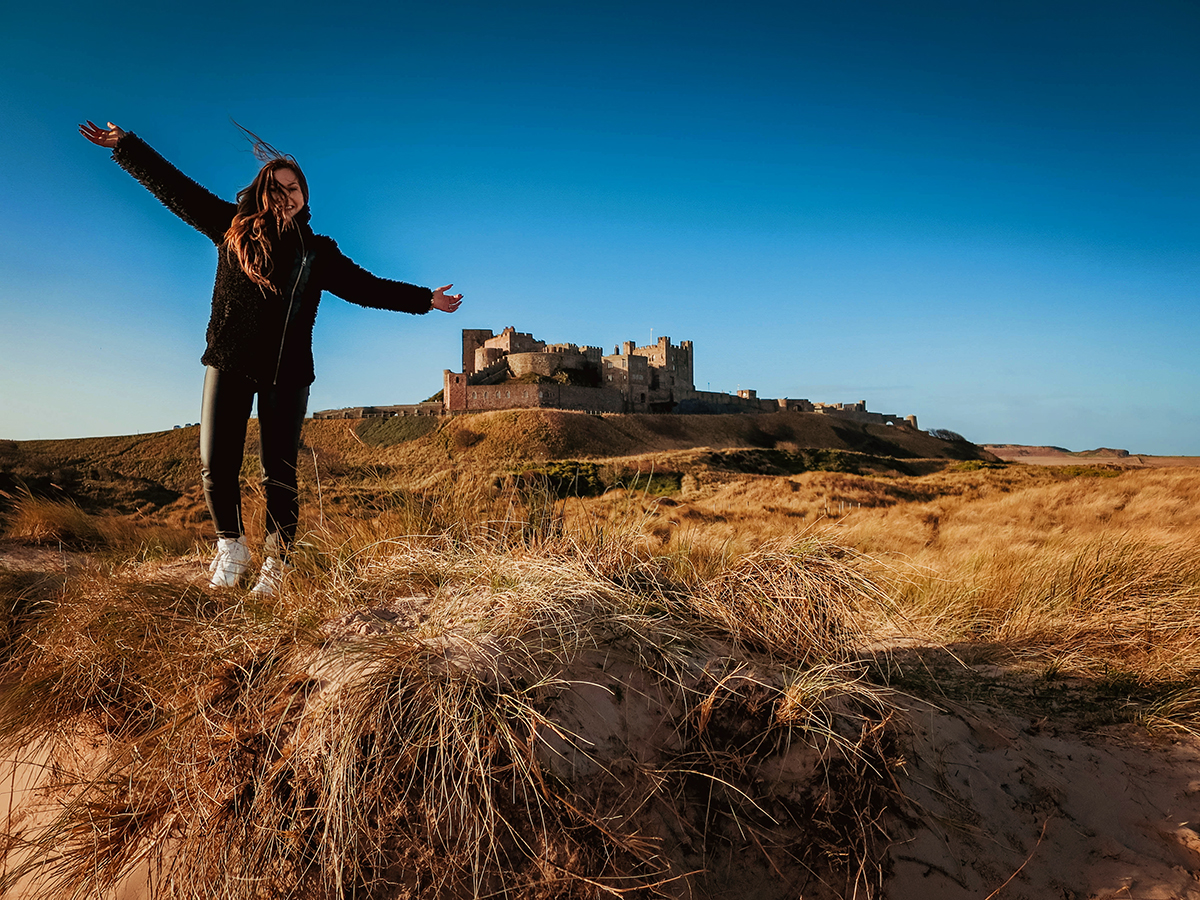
(223, 417)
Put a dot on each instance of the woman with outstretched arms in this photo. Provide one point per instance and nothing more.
(271, 271)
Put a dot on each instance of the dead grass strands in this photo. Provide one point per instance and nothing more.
(1090, 605)
(470, 689)
(1083, 574)
(37, 520)
(800, 602)
(476, 736)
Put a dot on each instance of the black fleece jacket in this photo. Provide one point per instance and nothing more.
(265, 335)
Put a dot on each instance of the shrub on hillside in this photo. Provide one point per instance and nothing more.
(567, 478)
(945, 434)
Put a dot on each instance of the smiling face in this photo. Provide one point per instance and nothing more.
(287, 196)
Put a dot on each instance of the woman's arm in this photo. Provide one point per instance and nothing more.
(203, 210)
(342, 276)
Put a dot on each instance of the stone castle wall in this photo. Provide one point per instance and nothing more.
(648, 379)
(382, 412)
(464, 397)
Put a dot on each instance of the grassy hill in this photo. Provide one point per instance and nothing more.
(146, 473)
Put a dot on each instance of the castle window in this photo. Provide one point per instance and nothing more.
(507, 394)
(474, 395)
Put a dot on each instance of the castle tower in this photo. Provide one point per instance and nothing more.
(454, 390)
(473, 339)
(685, 378)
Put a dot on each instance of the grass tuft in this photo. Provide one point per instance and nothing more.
(454, 714)
(36, 520)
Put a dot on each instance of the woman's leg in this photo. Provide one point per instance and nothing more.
(281, 412)
(223, 416)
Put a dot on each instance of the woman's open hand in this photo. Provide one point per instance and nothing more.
(102, 137)
(446, 302)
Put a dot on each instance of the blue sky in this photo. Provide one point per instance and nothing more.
(984, 214)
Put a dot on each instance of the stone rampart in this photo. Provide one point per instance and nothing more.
(479, 398)
(499, 396)
(717, 402)
(586, 399)
(865, 418)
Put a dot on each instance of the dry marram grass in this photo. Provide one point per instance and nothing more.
(438, 716)
(469, 690)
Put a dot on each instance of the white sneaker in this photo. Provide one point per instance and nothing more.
(271, 577)
(231, 562)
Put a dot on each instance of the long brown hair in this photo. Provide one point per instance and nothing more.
(249, 235)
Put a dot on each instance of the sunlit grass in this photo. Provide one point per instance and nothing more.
(250, 748)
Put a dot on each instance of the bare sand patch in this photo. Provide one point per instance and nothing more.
(1004, 806)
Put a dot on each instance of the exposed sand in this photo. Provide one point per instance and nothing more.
(29, 807)
(1011, 808)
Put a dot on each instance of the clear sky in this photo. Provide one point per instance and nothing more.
(981, 213)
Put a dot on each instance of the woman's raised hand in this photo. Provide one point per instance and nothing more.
(446, 302)
(102, 137)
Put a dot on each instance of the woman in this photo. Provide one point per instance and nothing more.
(271, 270)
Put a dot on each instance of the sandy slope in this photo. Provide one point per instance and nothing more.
(997, 806)
(1011, 808)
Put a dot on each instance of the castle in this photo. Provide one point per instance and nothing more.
(512, 369)
(515, 370)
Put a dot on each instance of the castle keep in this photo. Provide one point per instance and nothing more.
(512, 369)
(515, 370)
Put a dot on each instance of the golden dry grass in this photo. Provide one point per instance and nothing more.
(1075, 571)
(746, 604)
(36, 520)
(247, 750)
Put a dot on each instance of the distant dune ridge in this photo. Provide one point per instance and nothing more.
(1057, 456)
(1017, 451)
